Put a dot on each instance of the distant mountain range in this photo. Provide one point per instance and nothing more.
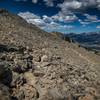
(89, 40)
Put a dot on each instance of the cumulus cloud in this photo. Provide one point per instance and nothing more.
(47, 19)
(32, 18)
(73, 6)
(28, 15)
(66, 14)
(69, 8)
(49, 2)
(77, 4)
(91, 17)
(61, 17)
(34, 1)
(44, 22)
(89, 3)
(98, 1)
(57, 26)
(98, 27)
(70, 5)
(84, 23)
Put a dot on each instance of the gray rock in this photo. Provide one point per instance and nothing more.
(4, 92)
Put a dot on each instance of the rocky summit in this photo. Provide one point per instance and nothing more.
(36, 65)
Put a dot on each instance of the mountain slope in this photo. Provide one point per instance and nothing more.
(37, 65)
(90, 40)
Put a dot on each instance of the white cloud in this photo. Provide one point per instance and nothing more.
(28, 15)
(70, 5)
(75, 4)
(47, 19)
(49, 2)
(88, 3)
(62, 17)
(84, 23)
(91, 17)
(98, 27)
(34, 1)
(45, 22)
(98, 1)
(53, 26)
(32, 18)
(67, 14)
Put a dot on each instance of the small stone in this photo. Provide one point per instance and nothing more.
(60, 81)
(91, 91)
(44, 58)
(30, 92)
(44, 64)
(87, 97)
(38, 73)
(30, 78)
(17, 80)
(36, 59)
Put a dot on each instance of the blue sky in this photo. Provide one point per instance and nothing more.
(58, 15)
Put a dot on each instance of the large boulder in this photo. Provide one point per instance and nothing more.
(5, 73)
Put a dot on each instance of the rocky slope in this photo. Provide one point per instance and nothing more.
(35, 65)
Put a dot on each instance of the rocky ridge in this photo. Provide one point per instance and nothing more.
(36, 65)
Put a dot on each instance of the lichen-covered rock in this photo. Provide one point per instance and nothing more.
(44, 58)
(22, 63)
(87, 97)
(4, 92)
(26, 92)
(17, 80)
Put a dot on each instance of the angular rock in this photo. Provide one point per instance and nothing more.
(44, 58)
(87, 97)
(4, 92)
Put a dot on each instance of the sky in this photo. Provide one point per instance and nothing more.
(64, 16)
